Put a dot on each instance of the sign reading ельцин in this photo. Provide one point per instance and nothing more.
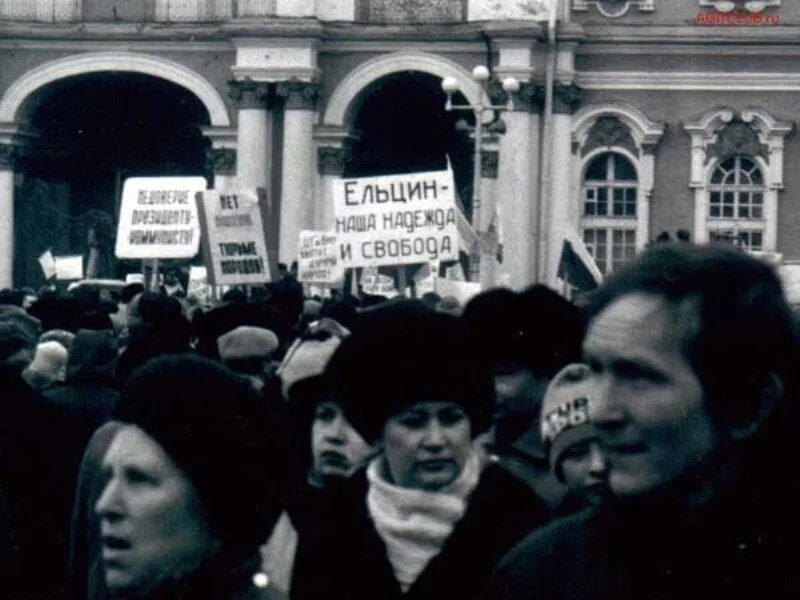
(396, 219)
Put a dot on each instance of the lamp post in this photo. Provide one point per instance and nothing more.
(483, 249)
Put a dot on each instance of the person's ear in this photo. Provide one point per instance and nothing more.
(767, 394)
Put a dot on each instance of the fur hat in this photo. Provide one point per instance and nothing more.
(307, 357)
(396, 362)
(14, 314)
(62, 336)
(219, 431)
(565, 412)
(49, 362)
(247, 342)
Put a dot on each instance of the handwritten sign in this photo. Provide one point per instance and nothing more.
(235, 237)
(318, 258)
(158, 218)
(396, 219)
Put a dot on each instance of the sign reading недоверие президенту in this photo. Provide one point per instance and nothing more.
(396, 219)
(158, 218)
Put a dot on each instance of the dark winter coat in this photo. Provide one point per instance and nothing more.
(37, 477)
(347, 561)
(740, 548)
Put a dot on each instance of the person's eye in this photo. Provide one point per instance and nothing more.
(451, 416)
(325, 413)
(137, 476)
(413, 419)
(576, 451)
(638, 373)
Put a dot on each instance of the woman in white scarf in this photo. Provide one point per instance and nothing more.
(428, 518)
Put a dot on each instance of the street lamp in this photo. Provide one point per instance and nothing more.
(481, 75)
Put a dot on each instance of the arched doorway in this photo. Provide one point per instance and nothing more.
(94, 131)
(402, 127)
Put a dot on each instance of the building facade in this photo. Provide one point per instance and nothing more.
(636, 119)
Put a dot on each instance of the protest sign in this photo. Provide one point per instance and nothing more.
(234, 238)
(69, 267)
(379, 285)
(158, 218)
(48, 264)
(318, 259)
(396, 219)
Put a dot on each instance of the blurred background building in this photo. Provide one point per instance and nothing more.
(635, 119)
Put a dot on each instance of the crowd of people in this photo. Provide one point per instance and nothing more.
(278, 447)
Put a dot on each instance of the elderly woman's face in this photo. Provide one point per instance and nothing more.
(151, 520)
(427, 444)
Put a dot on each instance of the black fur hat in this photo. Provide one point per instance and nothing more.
(218, 430)
(399, 361)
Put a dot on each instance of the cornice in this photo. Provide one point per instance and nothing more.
(690, 81)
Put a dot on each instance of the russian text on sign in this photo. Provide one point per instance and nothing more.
(396, 219)
(158, 218)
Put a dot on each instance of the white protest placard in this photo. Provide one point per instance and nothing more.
(158, 218)
(48, 264)
(379, 285)
(396, 219)
(235, 237)
(462, 291)
(318, 259)
(69, 267)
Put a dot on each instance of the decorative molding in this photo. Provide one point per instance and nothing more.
(609, 132)
(691, 81)
(711, 144)
(566, 98)
(737, 137)
(331, 161)
(92, 62)
(298, 94)
(646, 133)
(411, 11)
(340, 102)
(250, 94)
(221, 161)
(614, 8)
(753, 6)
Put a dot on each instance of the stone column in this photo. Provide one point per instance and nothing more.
(7, 155)
(563, 210)
(254, 133)
(297, 169)
(330, 162)
(517, 194)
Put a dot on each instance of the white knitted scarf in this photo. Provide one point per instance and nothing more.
(414, 524)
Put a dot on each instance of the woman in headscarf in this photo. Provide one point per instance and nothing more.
(429, 518)
(194, 483)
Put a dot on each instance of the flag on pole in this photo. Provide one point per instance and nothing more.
(577, 267)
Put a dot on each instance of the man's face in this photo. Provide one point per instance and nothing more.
(650, 411)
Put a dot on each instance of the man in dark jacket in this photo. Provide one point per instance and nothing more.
(35, 481)
(693, 353)
(88, 392)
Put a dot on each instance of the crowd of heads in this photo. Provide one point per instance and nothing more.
(676, 376)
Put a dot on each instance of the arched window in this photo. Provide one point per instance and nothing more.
(609, 210)
(737, 175)
(736, 203)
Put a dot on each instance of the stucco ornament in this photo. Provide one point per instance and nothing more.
(515, 9)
